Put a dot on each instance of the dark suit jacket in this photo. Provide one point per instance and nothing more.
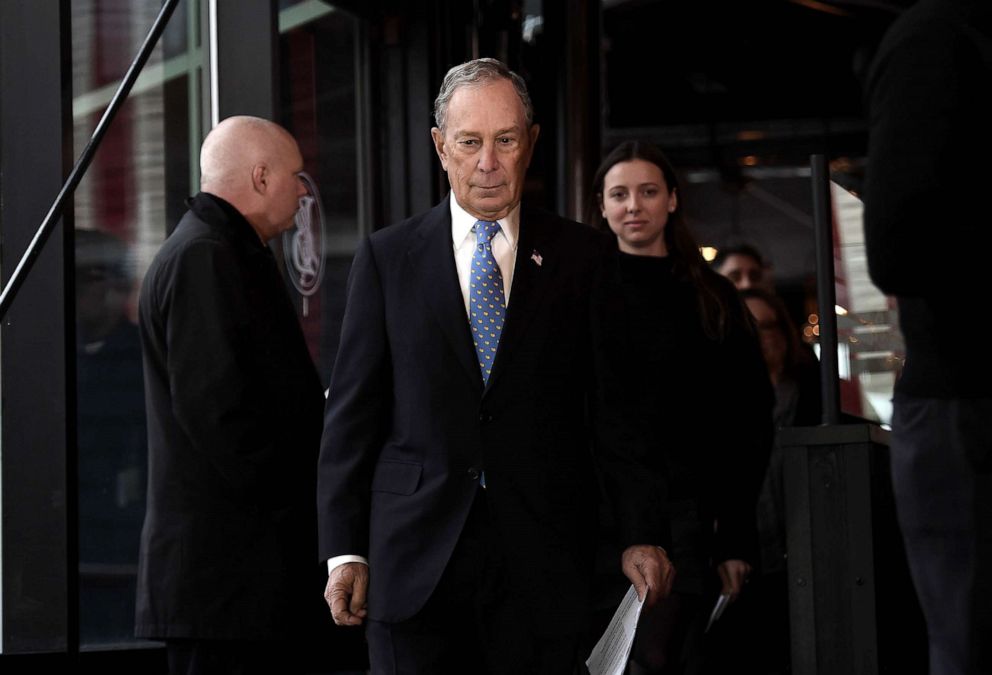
(409, 426)
(234, 408)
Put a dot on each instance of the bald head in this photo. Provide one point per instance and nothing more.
(252, 163)
(235, 145)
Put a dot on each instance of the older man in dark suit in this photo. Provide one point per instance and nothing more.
(457, 483)
(234, 408)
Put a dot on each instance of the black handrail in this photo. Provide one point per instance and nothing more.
(825, 295)
(76, 175)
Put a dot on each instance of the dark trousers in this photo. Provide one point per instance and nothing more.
(231, 657)
(669, 638)
(942, 480)
(473, 623)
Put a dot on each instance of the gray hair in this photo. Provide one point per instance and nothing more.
(477, 72)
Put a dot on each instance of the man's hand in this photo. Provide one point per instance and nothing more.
(650, 570)
(733, 575)
(345, 593)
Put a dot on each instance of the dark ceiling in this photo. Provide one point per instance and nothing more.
(735, 61)
(752, 72)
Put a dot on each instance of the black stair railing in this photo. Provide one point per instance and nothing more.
(79, 169)
(825, 293)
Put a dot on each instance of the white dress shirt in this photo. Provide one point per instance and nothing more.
(463, 242)
(504, 247)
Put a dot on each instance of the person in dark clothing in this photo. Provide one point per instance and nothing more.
(704, 395)
(796, 381)
(926, 199)
(234, 408)
(797, 403)
(744, 265)
(111, 436)
(457, 479)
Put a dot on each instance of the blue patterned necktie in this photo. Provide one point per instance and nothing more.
(487, 308)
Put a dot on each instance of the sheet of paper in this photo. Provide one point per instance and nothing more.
(721, 604)
(609, 656)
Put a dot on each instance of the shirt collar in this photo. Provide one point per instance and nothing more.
(462, 223)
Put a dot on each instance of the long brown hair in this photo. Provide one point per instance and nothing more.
(687, 262)
(783, 323)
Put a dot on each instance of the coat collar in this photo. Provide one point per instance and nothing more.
(221, 214)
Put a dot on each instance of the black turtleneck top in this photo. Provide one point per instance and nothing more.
(707, 406)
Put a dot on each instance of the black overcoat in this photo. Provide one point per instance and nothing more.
(234, 416)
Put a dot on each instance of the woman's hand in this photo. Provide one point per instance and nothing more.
(733, 574)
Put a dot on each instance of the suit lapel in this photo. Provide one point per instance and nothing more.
(432, 261)
(534, 267)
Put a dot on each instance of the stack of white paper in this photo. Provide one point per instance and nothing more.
(721, 604)
(609, 656)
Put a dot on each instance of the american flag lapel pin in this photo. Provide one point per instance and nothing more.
(536, 257)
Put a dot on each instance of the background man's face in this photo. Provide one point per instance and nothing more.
(743, 270)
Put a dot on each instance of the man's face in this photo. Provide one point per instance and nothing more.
(278, 186)
(285, 187)
(486, 148)
(743, 270)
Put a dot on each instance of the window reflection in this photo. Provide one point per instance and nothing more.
(871, 350)
(111, 436)
(320, 105)
(129, 198)
(132, 196)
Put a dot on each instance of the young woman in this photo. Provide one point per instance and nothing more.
(703, 392)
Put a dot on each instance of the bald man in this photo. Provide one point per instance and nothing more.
(234, 410)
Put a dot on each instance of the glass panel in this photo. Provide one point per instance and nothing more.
(130, 197)
(320, 106)
(870, 346)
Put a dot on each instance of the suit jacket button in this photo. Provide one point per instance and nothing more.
(473, 473)
(485, 417)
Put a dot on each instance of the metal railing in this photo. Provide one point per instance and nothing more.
(82, 163)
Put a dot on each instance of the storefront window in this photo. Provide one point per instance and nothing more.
(321, 105)
(133, 195)
(129, 199)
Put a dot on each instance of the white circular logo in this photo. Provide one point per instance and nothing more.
(303, 246)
